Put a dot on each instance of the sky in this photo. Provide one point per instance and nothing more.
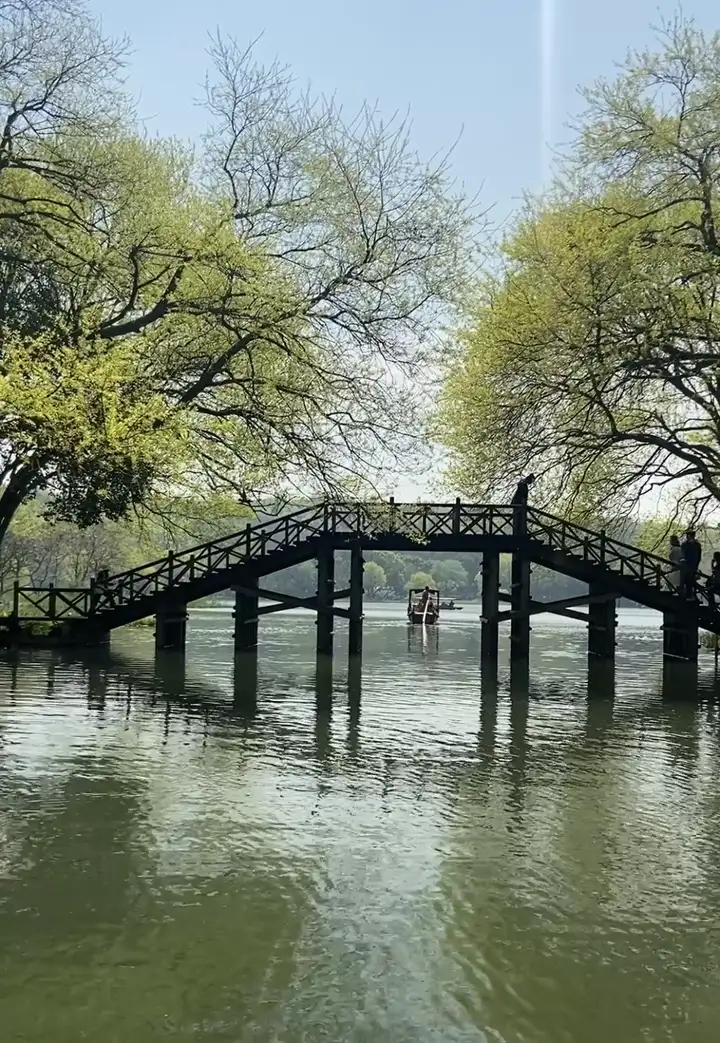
(496, 80)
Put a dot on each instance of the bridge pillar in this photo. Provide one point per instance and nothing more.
(171, 625)
(680, 637)
(602, 627)
(356, 601)
(520, 603)
(490, 606)
(325, 591)
(246, 615)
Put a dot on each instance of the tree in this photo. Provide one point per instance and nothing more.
(591, 355)
(374, 578)
(227, 327)
(450, 576)
(419, 580)
(394, 566)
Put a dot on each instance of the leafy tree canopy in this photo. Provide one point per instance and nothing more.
(232, 322)
(592, 352)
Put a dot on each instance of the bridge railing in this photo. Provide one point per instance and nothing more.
(51, 603)
(417, 522)
(597, 548)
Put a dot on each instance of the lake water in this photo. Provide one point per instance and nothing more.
(193, 854)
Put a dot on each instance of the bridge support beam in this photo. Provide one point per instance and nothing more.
(680, 637)
(325, 622)
(355, 635)
(520, 604)
(246, 615)
(602, 626)
(490, 607)
(171, 625)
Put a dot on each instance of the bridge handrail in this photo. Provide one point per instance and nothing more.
(223, 543)
(417, 521)
(595, 533)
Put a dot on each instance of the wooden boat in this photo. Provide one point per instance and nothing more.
(424, 606)
(450, 606)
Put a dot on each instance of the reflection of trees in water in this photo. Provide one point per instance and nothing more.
(581, 870)
(97, 927)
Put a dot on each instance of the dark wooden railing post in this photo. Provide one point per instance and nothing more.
(16, 599)
(170, 567)
(52, 601)
(456, 517)
(248, 539)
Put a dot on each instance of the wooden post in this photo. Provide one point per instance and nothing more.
(520, 603)
(356, 600)
(680, 637)
(325, 592)
(171, 625)
(602, 626)
(246, 615)
(490, 606)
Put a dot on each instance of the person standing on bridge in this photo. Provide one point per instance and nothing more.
(519, 503)
(690, 563)
(674, 576)
(713, 583)
(520, 496)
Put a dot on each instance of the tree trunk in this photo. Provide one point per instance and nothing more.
(17, 490)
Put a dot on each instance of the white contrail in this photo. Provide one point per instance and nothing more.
(548, 19)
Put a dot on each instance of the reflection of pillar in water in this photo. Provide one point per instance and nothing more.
(519, 712)
(323, 705)
(245, 683)
(354, 703)
(488, 716)
(520, 676)
(169, 672)
(601, 679)
(679, 680)
(13, 670)
(600, 698)
(324, 682)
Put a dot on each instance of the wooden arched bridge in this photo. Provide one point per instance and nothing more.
(163, 588)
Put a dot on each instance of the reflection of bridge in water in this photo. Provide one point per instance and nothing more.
(164, 588)
(185, 698)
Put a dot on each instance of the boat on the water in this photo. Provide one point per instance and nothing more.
(450, 606)
(424, 606)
